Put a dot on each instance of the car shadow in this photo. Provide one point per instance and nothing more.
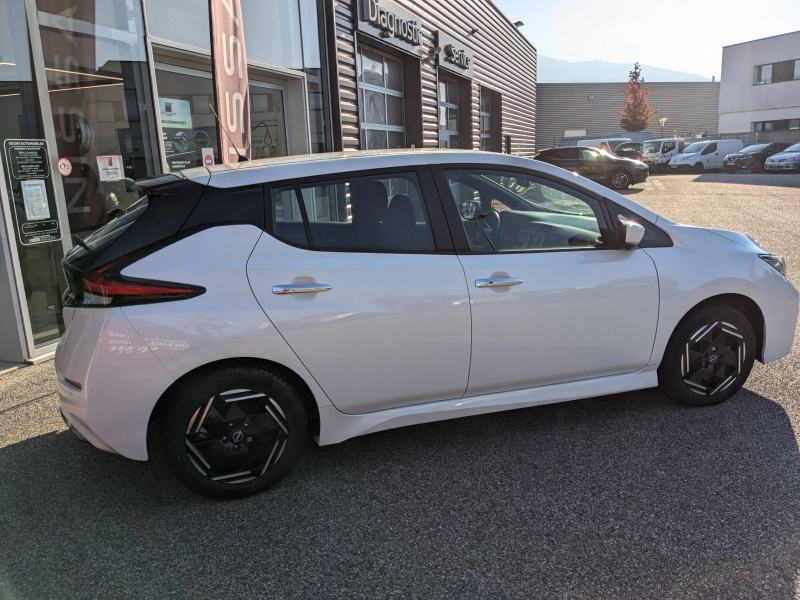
(783, 180)
(630, 191)
(621, 496)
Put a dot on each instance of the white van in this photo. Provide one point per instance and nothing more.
(607, 144)
(704, 156)
(660, 152)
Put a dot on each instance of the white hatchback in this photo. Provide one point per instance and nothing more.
(244, 307)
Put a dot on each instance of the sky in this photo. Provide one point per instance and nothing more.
(683, 35)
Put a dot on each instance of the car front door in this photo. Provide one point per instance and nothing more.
(356, 276)
(594, 164)
(551, 303)
(711, 158)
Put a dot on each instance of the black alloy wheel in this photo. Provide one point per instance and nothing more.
(620, 180)
(234, 432)
(709, 356)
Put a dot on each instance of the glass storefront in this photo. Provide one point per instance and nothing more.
(486, 120)
(267, 120)
(380, 80)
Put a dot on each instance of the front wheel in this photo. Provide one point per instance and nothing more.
(699, 168)
(234, 431)
(709, 356)
(757, 168)
(730, 171)
(620, 180)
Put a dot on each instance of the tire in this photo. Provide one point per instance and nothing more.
(757, 168)
(730, 171)
(709, 356)
(699, 168)
(620, 180)
(234, 431)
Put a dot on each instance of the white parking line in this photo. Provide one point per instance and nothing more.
(658, 184)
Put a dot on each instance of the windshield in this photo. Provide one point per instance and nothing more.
(651, 147)
(753, 148)
(795, 148)
(696, 147)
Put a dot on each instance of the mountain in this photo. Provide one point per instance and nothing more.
(553, 70)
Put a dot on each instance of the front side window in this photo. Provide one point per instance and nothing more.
(667, 147)
(709, 149)
(510, 212)
(592, 155)
(380, 82)
(377, 213)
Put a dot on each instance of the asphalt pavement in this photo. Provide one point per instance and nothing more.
(624, 496)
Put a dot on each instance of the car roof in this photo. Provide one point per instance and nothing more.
(285, 168)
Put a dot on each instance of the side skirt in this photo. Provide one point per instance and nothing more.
(336, 426)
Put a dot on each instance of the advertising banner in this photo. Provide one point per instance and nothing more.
(230, 79)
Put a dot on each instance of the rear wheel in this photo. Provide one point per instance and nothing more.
(709, 356)
(234, 431)
(620, 180)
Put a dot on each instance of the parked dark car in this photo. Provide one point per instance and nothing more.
(598, 165)
(752, 158)
(629, 150)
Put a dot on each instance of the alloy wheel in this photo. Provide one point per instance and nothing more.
(712, 358)
(236, 436)
(620, 181)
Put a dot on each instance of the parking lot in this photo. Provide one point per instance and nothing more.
(625, 496)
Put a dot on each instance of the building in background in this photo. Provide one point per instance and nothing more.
(760, 86)
(95, 94)
(580, 110)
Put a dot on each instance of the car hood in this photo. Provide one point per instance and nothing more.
(784, 155)
(738, 238)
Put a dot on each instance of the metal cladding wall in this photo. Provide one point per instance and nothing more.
(504, 61)
(690, 107)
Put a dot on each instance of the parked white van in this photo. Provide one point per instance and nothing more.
(704, 156)
(659, 152)
(607, 144)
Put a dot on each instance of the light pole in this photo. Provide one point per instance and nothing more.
(662, 120)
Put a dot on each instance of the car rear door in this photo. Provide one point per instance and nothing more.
(550, 302)
(359, 276)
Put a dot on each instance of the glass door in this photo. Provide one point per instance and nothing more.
(268, 120)
(448, 112)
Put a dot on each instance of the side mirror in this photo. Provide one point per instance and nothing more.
(629, 234)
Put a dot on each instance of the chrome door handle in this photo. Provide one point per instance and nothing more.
(300, 288)
(497, 282)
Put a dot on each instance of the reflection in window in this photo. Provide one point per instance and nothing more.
(181, 21)
(448, 111)
(382, 105)
(267, 122)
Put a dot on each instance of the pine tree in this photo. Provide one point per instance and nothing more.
(637, 114)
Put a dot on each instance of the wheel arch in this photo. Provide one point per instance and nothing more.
(309, 402)
(744, 304)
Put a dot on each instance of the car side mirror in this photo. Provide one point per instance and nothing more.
(629, 234)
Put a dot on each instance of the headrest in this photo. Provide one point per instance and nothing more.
(368, 200)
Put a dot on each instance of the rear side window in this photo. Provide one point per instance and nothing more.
(375, 213)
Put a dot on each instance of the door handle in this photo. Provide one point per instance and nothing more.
(300, 288)
(497, 282)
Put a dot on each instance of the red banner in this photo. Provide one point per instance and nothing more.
(230, 79)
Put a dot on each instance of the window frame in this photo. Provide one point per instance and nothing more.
(442, 241)
(363, 87)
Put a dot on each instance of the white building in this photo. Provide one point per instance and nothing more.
(760, 85)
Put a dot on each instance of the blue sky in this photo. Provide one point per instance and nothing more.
(683, 35)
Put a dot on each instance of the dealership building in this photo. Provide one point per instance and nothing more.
(95, 94)
(760, 88)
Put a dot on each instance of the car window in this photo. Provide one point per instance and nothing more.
(535, 216)
(667, 147)
(627, 148)
(381, 213)
(709, 149)
(693, 148)
(587, 154)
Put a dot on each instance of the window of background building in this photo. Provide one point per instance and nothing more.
(486, 120)
(20, 118)
(448, 112)
(101, 99)
(284, 34)
(776, 125)
(778, 72)
(267, 120)
(380, 82)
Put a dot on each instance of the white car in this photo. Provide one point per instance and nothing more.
(784, 161)
(704, 156)
(243, 307)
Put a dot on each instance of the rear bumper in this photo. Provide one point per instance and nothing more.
(121, 381)
(640, 175)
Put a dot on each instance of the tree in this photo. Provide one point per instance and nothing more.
(637, 114)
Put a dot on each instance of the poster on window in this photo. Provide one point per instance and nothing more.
(176, 124)
(109, 168)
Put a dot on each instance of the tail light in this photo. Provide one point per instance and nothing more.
(107, 287)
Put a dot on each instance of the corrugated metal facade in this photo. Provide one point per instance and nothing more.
(504, 61)
(689, 107)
